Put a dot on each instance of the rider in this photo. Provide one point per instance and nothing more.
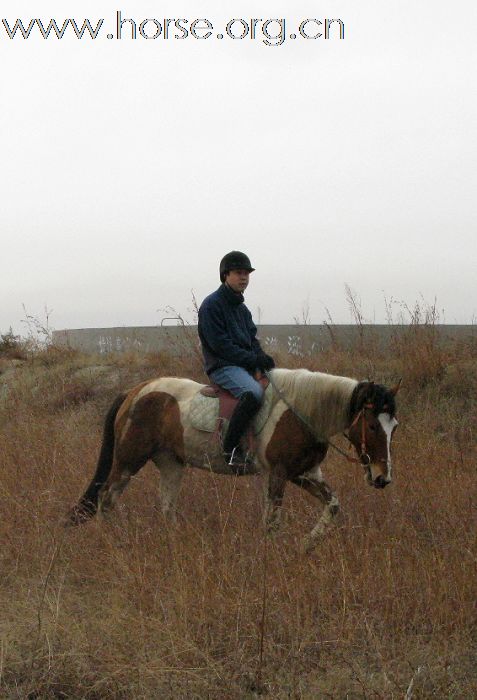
(232, 353)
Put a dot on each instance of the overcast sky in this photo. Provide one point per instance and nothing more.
(129, 167)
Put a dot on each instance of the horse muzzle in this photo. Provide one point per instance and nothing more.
(380, 482)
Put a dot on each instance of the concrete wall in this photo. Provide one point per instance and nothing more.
(295, 339)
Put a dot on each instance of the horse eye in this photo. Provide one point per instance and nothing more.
(373, 428)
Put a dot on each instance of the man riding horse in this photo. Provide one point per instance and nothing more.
(232, 352)
(155, 420)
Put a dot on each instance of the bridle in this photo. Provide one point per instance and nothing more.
(364, 457)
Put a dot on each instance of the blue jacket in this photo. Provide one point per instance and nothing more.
(227, 332)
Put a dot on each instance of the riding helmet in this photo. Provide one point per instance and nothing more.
(235, 260)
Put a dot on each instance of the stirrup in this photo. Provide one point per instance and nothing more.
(237, 459)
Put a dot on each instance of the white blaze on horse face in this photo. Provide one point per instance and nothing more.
(388, 424)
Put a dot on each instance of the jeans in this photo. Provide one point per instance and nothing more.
(237, 380)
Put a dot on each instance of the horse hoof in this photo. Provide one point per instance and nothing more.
(75, 517)
(309, 543)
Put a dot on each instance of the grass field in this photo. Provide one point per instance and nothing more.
(131, 608)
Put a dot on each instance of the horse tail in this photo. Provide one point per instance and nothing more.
(88, 503)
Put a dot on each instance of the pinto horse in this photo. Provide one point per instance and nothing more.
(152, 422)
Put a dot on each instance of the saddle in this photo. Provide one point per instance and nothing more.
(212, 407)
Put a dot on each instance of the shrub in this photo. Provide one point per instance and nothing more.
(12, 346)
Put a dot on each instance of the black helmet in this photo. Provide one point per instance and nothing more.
(235, 260)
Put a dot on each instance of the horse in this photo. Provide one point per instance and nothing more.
(153, 422)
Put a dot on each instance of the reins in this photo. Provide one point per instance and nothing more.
(364, 458)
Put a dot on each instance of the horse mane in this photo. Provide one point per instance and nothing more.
(323, 399)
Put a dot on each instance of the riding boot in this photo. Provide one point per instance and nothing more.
(246, 408)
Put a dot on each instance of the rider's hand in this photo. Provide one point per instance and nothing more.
(265, 362)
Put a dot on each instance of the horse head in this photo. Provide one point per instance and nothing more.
(373, 422)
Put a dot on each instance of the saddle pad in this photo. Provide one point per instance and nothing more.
(204, 412)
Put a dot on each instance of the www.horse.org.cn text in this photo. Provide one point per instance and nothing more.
(271, 32)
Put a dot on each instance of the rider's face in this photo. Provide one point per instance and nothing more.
(238, 280)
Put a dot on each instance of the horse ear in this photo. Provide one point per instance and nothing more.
(394, 390)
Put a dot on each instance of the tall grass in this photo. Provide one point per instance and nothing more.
(134, 608)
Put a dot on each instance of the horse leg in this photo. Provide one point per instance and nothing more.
(172, 472)
(312, 481)
(116, 482)
(152, 423)
(274, 488)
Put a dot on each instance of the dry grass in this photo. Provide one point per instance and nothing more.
(130, 608)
